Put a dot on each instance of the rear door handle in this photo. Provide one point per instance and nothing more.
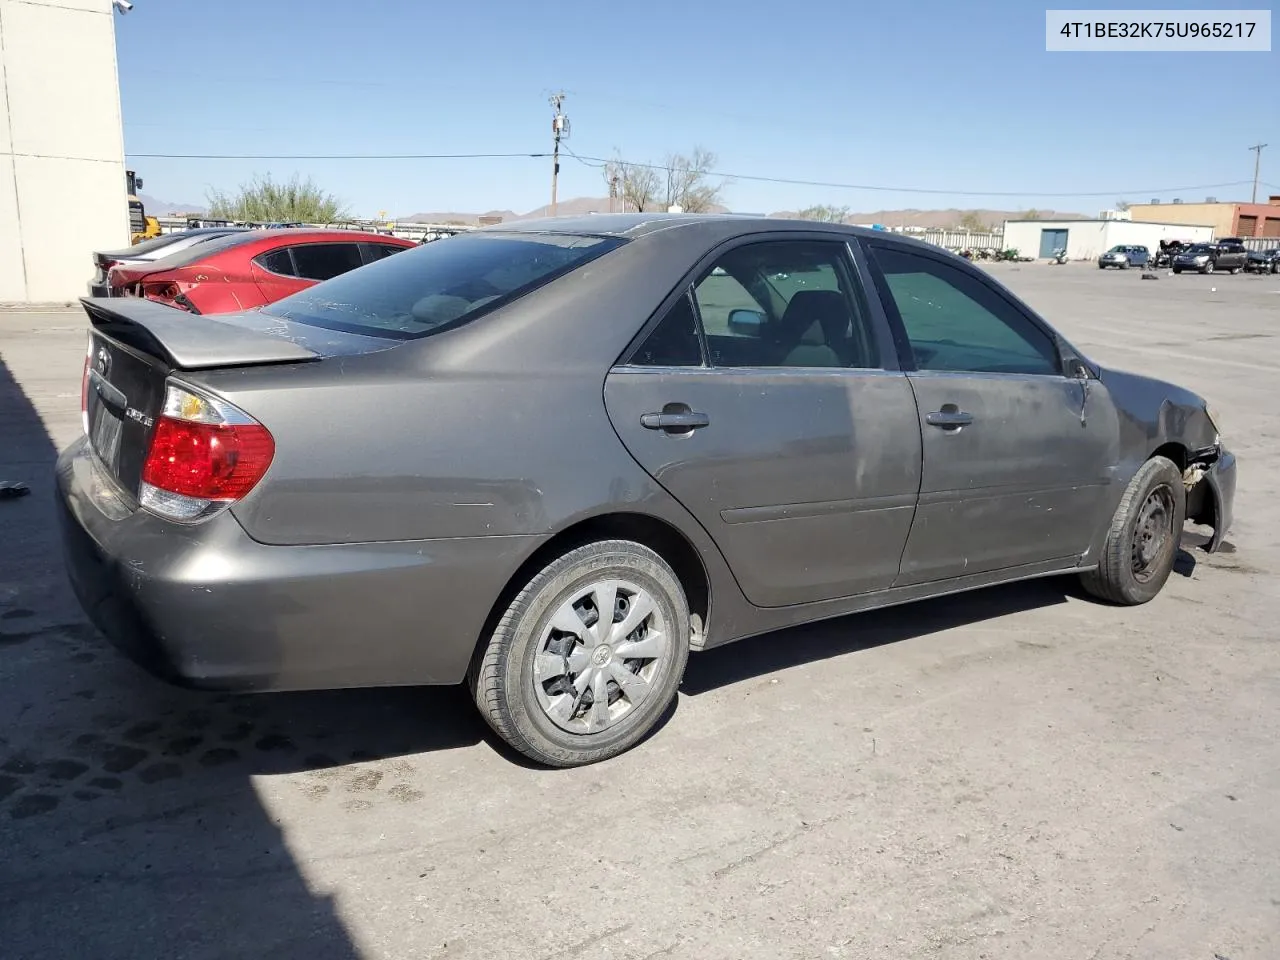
(949, 419)
(674, 421)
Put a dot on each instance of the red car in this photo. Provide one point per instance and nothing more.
(250, 269)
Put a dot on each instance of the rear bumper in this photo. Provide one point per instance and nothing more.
(207, 606)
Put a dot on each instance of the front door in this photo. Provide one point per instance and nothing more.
(1017, 456)
(787, 439)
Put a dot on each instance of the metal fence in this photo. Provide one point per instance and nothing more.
(409, 231)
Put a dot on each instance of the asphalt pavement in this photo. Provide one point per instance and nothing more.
(1016, 772)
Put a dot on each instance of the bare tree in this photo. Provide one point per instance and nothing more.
(688, 181)
(1122, 205)
(826, 213)
(972, 222)
(638, 185)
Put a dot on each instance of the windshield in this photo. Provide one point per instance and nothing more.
(441, 284)
(1199, 248)
(1118, 250)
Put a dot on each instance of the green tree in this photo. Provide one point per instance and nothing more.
(824, 213)
(262, 199)
(972, 222)
(1032, 214)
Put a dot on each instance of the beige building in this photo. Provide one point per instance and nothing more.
(62, 173)
(1227, 219)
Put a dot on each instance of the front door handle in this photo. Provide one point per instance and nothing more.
(677, 422)
(949, 418)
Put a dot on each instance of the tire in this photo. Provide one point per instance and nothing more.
(1207, 268)
(1125, 265)
(523, 710)
(1102, 266)
(1117, 578)
(1233, 271)
(1177, 269)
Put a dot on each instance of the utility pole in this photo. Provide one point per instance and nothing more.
(559, 130)
(1257, 161)
(613, 187)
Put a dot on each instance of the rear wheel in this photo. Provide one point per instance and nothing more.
(1142, 540)
(588, 656)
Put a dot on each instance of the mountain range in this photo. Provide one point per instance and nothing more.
(579, 206)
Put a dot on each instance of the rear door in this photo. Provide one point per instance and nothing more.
(1017, 455)
(765, 398)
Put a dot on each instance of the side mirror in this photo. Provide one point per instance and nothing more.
(746, 323)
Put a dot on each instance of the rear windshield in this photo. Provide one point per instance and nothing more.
(198, 251)
(441, 284)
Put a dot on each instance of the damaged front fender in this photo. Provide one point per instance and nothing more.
(1210, 482)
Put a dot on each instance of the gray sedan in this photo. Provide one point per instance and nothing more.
(549, 459)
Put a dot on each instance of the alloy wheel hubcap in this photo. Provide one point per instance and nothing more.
(599, 656)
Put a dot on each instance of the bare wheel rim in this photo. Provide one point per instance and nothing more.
(599, 656)
(1153, 534)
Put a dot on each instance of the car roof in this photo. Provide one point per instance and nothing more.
(636, 225)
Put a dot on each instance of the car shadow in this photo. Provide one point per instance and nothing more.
(768, 653)
(127, 834)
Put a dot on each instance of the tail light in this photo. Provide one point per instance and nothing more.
(84, 386)
(204, 455)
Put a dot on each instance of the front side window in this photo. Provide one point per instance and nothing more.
(441, 284)
(787, 303)
(955, 322)
(324, 261)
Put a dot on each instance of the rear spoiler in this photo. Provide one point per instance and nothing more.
(188, 342)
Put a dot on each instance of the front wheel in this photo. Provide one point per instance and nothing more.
(587, 657)
(1207, 268)
(1142, 540)
(1177, 269)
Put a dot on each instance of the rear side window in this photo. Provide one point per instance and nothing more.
(442, 284)
(324, 261)
(279, 262)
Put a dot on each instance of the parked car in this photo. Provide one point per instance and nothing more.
(250, 268)
(1124, 256)
(149, 251)
(1263, 261)
(1229, 255)
(551, 458)
(1169, 249)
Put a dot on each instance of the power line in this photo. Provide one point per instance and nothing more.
(754, 178)
(601, 161)
(337, 156)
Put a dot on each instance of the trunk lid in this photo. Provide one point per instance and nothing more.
(135, 345)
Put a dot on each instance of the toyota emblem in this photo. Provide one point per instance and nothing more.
(103, 364)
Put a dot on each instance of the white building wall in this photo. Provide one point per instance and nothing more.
(62, 183)
(1087, 239)
(1024, 235)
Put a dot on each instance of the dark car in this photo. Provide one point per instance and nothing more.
(1124, 256)
(1229, 255)
(551, 458)
(1263, 261)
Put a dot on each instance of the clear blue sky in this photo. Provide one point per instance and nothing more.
(942, 94)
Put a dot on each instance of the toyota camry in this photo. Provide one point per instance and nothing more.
(549, 459)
